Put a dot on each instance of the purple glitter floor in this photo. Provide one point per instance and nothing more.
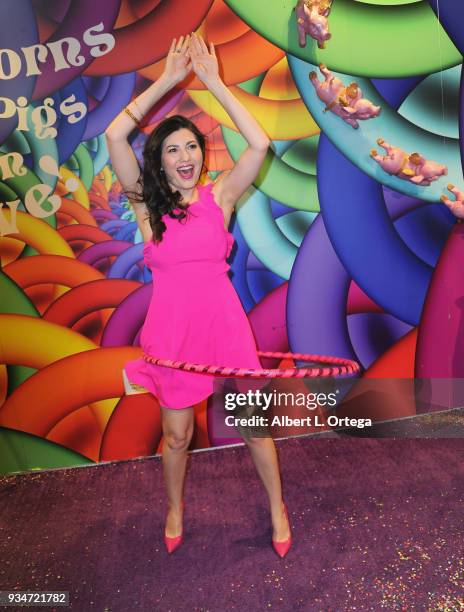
(377, 524)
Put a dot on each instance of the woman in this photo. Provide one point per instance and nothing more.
(195, 313)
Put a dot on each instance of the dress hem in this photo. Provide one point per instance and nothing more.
(135, 379)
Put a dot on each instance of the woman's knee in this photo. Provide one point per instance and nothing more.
(256, 442)
(177, 428)
(178, 440)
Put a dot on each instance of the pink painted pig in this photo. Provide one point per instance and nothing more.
(456, 206)
(395, 160)
(330, 89)
(346, 102)
(358, 107)
(312, 19)
(425, 170)
(413, 168)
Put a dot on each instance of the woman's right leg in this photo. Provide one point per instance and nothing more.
(177, 432)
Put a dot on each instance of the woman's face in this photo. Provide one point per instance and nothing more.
(181, 160)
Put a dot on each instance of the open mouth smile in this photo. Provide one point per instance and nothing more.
(186, 171)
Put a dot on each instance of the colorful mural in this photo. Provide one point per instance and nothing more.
(348, 243)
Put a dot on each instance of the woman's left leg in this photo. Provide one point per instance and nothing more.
(264, 455)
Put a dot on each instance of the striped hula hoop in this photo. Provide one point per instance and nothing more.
(338, 367)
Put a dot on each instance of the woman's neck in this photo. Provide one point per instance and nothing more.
(189, 195)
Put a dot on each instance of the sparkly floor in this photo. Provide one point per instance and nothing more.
(377, 524)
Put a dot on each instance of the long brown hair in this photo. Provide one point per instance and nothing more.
(154, 189)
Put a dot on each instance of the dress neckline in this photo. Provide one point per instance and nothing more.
(200, 188)
(208, 188)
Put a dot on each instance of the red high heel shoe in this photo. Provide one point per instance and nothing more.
(173, 543)
(283, 547)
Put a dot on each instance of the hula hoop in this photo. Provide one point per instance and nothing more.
(341, 367)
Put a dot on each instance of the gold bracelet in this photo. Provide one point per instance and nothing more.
(131, 115)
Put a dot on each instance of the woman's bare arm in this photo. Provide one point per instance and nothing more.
(122, 157)
(235, 182)
(232, 184)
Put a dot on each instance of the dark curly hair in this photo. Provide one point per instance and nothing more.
(154, 189)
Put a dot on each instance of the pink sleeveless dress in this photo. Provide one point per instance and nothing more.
(195, 313)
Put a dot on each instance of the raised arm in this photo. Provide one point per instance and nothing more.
(232, 184)
(122, 157)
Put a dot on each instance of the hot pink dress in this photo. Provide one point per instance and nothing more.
(195, 313)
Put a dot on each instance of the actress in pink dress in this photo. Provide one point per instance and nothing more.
(195, 313)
